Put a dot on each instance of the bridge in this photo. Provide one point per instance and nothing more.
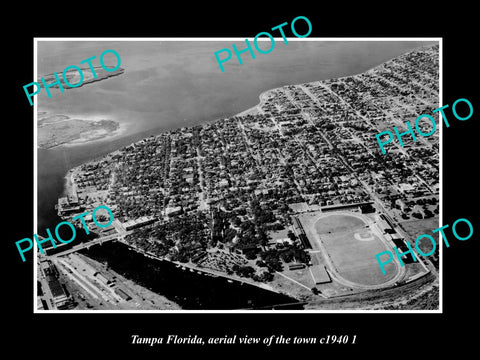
(118, 235)
(87, 245)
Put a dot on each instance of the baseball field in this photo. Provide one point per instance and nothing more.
(350, 244)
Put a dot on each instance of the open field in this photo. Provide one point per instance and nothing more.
(415, 228)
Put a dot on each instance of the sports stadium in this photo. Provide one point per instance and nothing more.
(348, 243)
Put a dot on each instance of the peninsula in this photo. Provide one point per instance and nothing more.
(293, 195)
(73, 77)
(55, 130)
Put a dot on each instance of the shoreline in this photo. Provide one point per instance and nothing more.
(88, 137)
(82, 141)
(104, 75)
(254, 110)
(210, 272)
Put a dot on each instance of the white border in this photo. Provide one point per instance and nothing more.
(35, 212)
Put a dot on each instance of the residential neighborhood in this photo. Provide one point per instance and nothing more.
(225, 195)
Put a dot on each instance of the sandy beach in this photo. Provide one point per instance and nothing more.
(59, 130)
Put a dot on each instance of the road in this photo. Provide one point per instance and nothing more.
(119, 235)
(47, 294)
(86, 245)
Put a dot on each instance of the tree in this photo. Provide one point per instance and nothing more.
(263, 237)
(271, 258)
(302, 256)
(236, 221)
(417, 215)
(243, 271)
(251, 255)
(291, 235)
(260, 263)
(287, 255)
(264, 277)
(428, 213)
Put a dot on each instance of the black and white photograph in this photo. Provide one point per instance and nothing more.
(288, 180)
(216, 204)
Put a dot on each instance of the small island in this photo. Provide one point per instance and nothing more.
(55, 130)
(73, 77)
